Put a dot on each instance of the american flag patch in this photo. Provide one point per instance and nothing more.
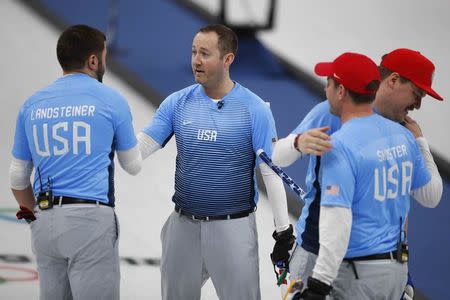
(332, 190)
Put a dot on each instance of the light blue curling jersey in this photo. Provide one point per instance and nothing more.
(70, 131)
(373, 166)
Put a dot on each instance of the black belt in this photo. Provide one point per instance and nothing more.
(388, 255)
(70, 200)
(211, 218)
(351, 261)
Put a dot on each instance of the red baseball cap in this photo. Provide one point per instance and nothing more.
(413, 66)
(354, 71)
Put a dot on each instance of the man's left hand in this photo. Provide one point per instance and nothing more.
(26, 214)
(284, 242)
(413, 126)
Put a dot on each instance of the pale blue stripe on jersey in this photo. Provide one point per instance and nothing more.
(371, 169)
(70, 130)
(216, 147)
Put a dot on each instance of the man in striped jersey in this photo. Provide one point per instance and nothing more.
(219, 126)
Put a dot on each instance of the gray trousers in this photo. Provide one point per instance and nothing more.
(225, 250)
(302, 264)
(76, 248)
(378, 280)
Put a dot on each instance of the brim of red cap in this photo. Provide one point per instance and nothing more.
(324, 69)
(429, 91)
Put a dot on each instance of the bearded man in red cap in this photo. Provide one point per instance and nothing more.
(406, 77)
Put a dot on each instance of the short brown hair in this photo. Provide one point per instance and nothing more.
(228, 40)
(75, 45)
(362, 98)
(385, 72)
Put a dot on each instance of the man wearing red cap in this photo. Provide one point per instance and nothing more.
(402, 72)
(366, 183)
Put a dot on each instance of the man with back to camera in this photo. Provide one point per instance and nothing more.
(406, 78)
(367, 177)
(69, 132)
(219, 126)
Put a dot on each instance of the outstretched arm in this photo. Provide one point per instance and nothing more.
(314, 141)
(130, 160)
(147, 145)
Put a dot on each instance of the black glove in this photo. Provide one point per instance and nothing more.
(317, 290)
(284, 242)
(26, 214)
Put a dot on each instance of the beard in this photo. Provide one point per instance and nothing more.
(100, 72)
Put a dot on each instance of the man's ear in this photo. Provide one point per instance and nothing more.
(92, 62)
(342, 92)
(228, 59)
(392, 79)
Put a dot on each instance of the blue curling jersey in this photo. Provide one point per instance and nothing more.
(307, 226)
(373, 166)
(216, 147)
(70, 130)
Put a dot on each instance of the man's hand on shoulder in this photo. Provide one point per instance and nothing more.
(413, 126)
(314, 141)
